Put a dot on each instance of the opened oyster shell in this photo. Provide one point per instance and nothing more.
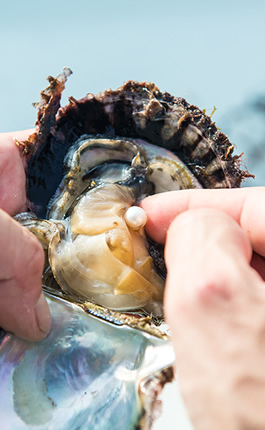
(92, 160)
(89, 165)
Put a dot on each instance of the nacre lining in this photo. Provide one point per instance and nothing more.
(87, 374)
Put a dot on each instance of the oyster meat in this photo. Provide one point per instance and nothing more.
(89, 164)
(94, 249)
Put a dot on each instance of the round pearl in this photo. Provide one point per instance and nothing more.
(135, 217)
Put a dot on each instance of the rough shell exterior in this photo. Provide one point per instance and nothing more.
(136, 110)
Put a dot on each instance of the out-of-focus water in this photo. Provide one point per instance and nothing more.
(211, 53)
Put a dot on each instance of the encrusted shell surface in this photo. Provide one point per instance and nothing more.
(136, 110)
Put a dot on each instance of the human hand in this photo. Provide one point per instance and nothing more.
(23, 308)
(215, 300)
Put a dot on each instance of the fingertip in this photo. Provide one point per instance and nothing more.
(158, 218)
(43, 316)
(34, 324)
(20, 316)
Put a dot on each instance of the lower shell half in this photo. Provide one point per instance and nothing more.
(91, 372)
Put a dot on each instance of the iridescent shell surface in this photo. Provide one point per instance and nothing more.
(89, 373)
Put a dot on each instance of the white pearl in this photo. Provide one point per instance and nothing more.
(135, 217)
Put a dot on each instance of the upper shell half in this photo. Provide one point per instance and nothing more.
(136, 110)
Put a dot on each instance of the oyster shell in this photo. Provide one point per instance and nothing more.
(100, 368)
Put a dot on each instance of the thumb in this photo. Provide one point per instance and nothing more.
(207, 255)
(23, 308)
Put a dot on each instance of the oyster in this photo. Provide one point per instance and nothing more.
(97, 157)
(89, 165)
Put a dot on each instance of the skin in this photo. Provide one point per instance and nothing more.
(215, 301)
(23, 308)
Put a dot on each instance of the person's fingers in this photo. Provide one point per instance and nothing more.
(20, 135)
(204, 247)
(245, 205)
(214, 304)
(23, 308)
(12, 173)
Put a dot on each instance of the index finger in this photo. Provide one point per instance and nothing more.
(245, 205)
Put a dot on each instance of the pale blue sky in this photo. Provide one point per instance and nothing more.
(211, 53)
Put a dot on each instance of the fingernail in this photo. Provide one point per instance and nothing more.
(43, 315)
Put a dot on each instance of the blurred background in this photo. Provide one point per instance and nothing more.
(211, 53)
